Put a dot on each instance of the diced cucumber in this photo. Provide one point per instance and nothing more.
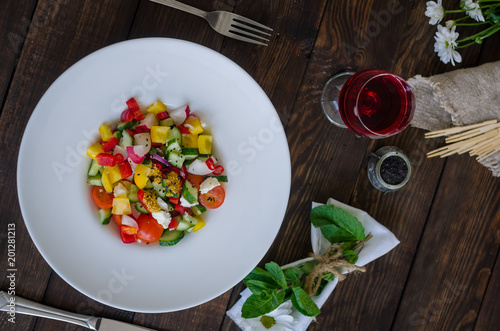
(122, 126)
(167, 122)
(176, 159)
(132, 193)
(94, 180)
(170, 238)
(118, 134)
(94, 168)
(168, 190)
(126, 139)
(189, 192)
(105, 215)
(188, 218)
(165, 205)
(149, 184)
(184, 225)
(190, 153)
(175, 133)
(160, 190)
(173, 146)
(220, 178)
(140, 208)
(198, 209)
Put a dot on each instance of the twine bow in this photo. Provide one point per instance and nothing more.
(328, 263)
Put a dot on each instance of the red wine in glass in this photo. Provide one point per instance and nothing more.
(372, 103)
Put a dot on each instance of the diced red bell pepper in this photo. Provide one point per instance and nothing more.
(125, 169)
(180, 208)
(140, 196)
(174, 201)
(183, 129)
(141, 129)
(162, 115)
(119, 158)
(173, 224)
(106, 160)
(110, 144)
(128, 234)
(134, 108)
(126, 116)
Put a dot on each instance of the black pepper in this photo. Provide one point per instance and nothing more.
(393, 170)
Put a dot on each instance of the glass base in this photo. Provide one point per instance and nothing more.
(330, 97)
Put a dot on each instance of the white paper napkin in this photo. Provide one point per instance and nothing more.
(381, 243)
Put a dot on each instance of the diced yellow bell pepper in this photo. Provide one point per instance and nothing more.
(121, 206)
(159, 134)
(205, 144)
(157, 107)
(190, 141)
(201, 223)
(106, 182)
(93, 150)
(105, 132)
(193, 124)
(113, 173)
(141, 174)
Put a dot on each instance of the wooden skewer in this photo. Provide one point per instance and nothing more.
(478, 147)
(454, 130)
(472, 133)
(490, 143)
(490, 153)
(472, 142)
(452, 149)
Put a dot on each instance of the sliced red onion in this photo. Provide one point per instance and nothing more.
(127, 220)
(161, 159)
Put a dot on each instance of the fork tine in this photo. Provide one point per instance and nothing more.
(249, 21)
(249, 28)
(246, 33)
(248, 40)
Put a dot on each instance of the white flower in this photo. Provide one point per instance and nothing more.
(279, 319)
(435, 11)
(473, 10)
(446, 42)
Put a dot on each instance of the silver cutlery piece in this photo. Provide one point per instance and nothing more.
(18, 305)
(226, 23)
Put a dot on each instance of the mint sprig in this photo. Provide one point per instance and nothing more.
(273, 286)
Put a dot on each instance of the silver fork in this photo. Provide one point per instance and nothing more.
(226, 23)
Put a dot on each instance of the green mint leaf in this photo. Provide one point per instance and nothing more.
(334, 234)
(291, 275)
(327, 215)
(260, 304)
(350, 256)
(308, 267)
(258, 286)
(277, 274)
(260, 275)
(303, 303)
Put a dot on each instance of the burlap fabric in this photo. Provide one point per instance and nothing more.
(460, 97)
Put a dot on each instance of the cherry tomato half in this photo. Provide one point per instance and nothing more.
(117, 219)
(196, 180)
(213, 198)
(149, 228)
(101, 198)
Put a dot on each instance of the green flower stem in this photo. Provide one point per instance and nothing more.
(483, 34)
(466, 45)
(472, 24)
(454, 11)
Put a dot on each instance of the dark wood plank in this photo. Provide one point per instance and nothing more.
(16, 17)
(65, 32)
(488, 317)
(457, 251)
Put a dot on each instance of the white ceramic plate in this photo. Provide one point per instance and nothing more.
(55, 201)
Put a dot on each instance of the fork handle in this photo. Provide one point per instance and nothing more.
(182, 6)
(28, 307)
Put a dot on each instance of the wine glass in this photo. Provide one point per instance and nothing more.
(372, 103)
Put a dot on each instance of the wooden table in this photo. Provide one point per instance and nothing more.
(444, 275)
